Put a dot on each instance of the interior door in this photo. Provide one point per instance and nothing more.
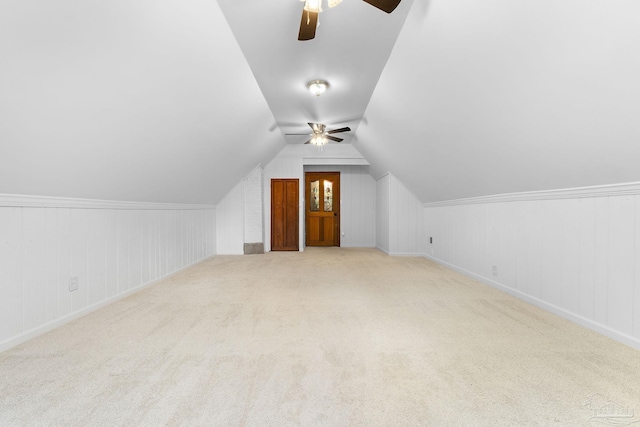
(284, 215)
(322, 212)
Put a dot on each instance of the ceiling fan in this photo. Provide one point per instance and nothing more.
(312, 8)
(320, 135)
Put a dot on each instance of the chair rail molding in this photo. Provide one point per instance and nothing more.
(624, 189)
(17, 200)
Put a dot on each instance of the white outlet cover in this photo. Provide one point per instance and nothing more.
(73, 283)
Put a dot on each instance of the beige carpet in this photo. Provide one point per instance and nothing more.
(329, 337)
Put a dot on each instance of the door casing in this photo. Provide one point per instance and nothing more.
(284, 215)
(322, 228)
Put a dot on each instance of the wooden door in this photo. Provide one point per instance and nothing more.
(322, 211)
(284, 215)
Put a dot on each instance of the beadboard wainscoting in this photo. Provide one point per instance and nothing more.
(112, 248)
(574, 252)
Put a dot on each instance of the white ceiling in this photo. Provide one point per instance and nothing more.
(352, 45)
(176, 101)
(502, 96)
(146, 100)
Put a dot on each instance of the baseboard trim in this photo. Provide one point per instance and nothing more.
(47, 327)
(580, 320)
(405, 254)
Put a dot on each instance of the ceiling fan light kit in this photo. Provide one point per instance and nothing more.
(317, 87)
(316, 5)
(319, 140)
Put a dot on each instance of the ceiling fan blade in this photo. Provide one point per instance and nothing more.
(308, 142)
(308, 25)
(345, 129)
(306, 134)
(385, 5)
(333, 138)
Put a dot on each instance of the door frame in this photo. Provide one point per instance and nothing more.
(337, 205)
(297, 215)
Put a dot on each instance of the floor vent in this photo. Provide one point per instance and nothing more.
(253, 248)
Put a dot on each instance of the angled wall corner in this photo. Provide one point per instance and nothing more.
(230, 222)
(253, 206)
(239, 222)
(382, 213)
(400, 227)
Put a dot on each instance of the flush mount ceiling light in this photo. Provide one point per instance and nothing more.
(317, 87)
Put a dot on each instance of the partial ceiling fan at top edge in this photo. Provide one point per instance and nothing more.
(312, 9)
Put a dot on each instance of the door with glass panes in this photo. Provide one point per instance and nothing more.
(322, 217)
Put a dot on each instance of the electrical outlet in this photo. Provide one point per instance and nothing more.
(73, 283)
(495, 270)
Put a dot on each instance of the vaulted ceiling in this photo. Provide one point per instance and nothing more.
(176, 101)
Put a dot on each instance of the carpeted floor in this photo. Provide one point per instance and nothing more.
(328, 337)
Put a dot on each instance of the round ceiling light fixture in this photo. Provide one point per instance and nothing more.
(317, 87)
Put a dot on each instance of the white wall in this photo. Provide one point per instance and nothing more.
(113, 248)
(357, 204)
(574, 252)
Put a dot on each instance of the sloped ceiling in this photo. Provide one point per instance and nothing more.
(176, 101)
(146, 100)
(502, 96)
(350, 50)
